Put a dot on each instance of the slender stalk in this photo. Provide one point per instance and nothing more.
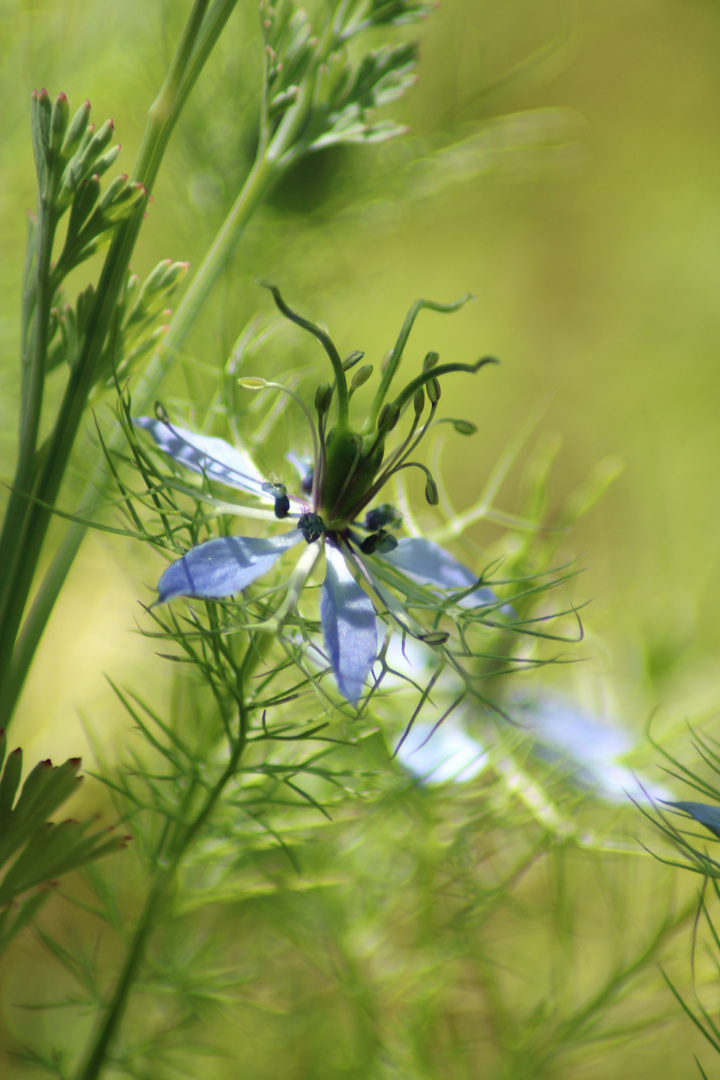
(399, 348)
(161, 891)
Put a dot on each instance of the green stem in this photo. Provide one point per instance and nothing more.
(26, 522)
(162, 887)
(33, 385)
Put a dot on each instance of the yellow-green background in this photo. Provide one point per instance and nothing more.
(595, 266)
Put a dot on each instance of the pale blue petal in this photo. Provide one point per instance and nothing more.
(428, 562)
(348, 625)
(224, 566)
(206, 455)
(436, 757)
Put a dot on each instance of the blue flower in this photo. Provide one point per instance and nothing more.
(362, 556)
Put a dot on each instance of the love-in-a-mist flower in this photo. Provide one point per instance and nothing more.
(335, 511)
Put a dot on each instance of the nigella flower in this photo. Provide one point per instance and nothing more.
(332, 511)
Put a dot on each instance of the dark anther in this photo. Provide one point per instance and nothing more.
(307, 482)
(381, 542)
(279, 493)
(382, 515)
(311, 526)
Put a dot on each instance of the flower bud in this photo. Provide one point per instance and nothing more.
(107, 159)
(323, 397)
(112, 191)
(58, 122)
(361, 375)
(353, 359)
(464, 427)
(75, 131)
(433, 390)
(430, 360)
(389, 416)
(86, 196)
(419, 401)
(431, 491)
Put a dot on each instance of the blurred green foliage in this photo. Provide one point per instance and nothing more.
(589, 231)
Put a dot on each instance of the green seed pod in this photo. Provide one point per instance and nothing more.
(389, 416)
(323, 397)
(433, 390)
(75, 131)
(58, 122)
(353, 359)
(361, 375)
(419, 401)
(431, 491)
(430, 360)
(464, 427)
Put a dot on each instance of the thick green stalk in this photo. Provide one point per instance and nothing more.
(33, 385)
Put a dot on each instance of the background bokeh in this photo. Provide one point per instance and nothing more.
(586, 223)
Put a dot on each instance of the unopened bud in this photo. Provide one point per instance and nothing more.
(59, 121)
(431, 491)
(419, 401)
(112, 191)
(430, 360)
(107, 159)
(323, 397)
(433, 390)
(361, 375)
(353, 359)
(389, 416)
(76, 130)
(464, 427)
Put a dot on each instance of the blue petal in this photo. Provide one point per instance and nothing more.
(348, 624)
(224, 566)
(206, 455)
(705, 813)
(428, 562)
